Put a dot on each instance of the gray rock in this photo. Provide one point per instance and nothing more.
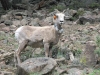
(18, 17)
(25, 1)
(60, 71)
(6, 29)
(43, 65)
(16, 23)
(6, 70)
(8, 22)
(81, 9)
(2, 33)
(88, 57)
(74, 71)
(24, 22)
(72, 12)
(87, 13)
(39, 14)
(7, 57)
(44, 23)
(5, 17)
(2, 25)
(96, 11)
(34, 22)
(48, 19)
(89, 17)
(84, 19)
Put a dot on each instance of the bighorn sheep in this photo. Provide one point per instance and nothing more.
(46, 36)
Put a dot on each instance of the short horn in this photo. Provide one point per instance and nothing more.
(64, 11)
(57, 10)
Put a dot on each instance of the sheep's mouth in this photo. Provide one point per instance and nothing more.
(61, 24)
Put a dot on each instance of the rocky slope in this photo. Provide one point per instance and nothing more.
(75, 38)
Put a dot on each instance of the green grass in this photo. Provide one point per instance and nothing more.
(94, 5)
(2, 37)
(97, 51)
(98, 41)
(78, 52)
(35, 73)
(59, 7)
(83, 60)
(95, 72)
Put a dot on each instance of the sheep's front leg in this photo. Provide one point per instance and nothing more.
(46, 48)
(50, 50)
(21, 47)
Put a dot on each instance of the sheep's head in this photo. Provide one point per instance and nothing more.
(58, 18)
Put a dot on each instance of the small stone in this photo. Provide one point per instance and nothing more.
(6, 29)
(16, 23)
(34, 22)
(87, 23)
(8, 22)
(2, 25)
(60, 71)
(18, 17)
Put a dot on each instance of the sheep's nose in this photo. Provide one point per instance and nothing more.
(61, 21)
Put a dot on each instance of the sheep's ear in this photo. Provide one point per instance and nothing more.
(55, 17)
(57, 11)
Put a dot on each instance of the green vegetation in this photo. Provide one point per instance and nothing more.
(2, 37)
(25, 55)
(35, 73)
(59, 7)
(97, 51)
(98, 41)
(83, 60)
(29, 53)
(95, 72)
(94, 5)
(79, 13)
(78, 52)
(76, 4)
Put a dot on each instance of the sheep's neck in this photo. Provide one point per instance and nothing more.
(58, 28)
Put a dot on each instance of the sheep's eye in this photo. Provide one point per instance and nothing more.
(55, 17)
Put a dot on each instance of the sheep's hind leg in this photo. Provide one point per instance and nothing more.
(46, 48)
(21, 47)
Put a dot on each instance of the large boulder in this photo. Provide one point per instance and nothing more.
(88, 57)
(43, 65)
(88, 16)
